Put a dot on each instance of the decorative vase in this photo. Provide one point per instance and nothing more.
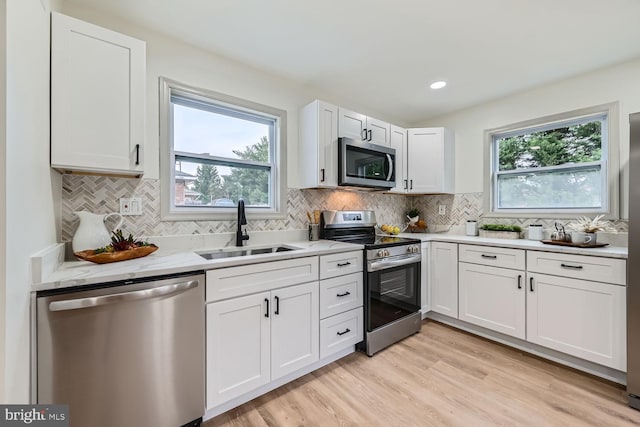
(92, 232)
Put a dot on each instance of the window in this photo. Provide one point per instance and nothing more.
(566, 164)
(218, 149)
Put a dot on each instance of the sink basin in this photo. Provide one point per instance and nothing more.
(237, 252)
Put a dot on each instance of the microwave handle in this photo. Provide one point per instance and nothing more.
(390, 167)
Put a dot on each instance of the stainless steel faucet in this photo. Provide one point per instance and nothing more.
(242, 220)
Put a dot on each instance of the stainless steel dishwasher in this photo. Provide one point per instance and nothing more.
(124, 354)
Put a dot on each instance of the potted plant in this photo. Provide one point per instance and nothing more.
(500, 231)
(415, 223)
(413, 215)
(584, 229)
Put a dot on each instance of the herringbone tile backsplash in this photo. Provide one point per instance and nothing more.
(101, 195)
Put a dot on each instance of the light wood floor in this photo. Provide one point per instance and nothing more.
(439, 377)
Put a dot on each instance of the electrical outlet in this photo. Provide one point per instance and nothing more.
(130, 206)
(442, 209)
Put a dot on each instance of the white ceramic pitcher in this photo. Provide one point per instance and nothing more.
(92, 232)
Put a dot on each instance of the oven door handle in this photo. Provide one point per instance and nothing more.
(388, 263)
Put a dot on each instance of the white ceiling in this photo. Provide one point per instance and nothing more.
(384, 53)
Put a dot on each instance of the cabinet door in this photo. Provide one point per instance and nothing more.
(429, 161)
(425, 279)
(444, 278)
(318, 153)
(351, 124)
(578, 317)
(238, 347)
(493, 298)
(97, 98)
(295, 328)
(399, 142)
(380, 132)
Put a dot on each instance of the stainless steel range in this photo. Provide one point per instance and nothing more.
(391, 278)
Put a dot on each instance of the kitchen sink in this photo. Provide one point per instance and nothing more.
(237, 252)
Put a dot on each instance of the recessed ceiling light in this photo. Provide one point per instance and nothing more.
(438, 85)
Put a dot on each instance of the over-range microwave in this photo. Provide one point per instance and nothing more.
(362, 164)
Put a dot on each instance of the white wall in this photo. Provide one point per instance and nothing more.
(3, 168)
(616, 83)
(32, 189)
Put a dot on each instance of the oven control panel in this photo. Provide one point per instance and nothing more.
(393, 251)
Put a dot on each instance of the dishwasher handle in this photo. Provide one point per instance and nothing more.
(88, 302)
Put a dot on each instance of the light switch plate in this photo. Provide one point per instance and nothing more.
(130, 206)
(442, 209)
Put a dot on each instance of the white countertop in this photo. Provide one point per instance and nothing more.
(177, 254)
(166, 261)
(607, 251)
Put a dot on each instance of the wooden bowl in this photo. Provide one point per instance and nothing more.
(106, 257)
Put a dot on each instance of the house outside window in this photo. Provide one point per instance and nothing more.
(564, 165)
(217, 149)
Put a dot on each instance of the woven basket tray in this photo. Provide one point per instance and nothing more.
(107, 257)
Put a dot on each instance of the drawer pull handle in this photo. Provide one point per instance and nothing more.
(575, 267)
(344, 264)
(519, 281)
(531, 284)
(489, 256)
(346, 331)
(343, 295)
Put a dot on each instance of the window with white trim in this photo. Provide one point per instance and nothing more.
(220, 149)
(558, 165)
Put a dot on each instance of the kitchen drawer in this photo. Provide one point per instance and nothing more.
(223, 283)
(489, 255)
(594, 268)
(340, 294)
(340, 264)
(340, 331)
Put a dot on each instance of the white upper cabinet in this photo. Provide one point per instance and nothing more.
(362, 128)
(318, 150)
(97, 99)
(430, 161)
(399, 143)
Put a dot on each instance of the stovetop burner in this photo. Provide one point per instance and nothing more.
(378, 241)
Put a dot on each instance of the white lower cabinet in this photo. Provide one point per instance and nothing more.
(294, 328)
(341, 312)
(238, 347)
(425, 280)
(443, 268)
(254, 339)
(574, 304)
(582, 318)
(493, 298)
